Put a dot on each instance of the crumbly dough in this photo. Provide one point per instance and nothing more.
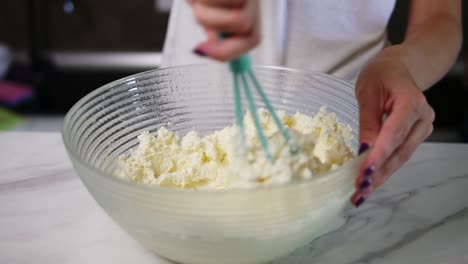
(218, 161)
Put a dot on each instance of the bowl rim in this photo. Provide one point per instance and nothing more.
(156, 188)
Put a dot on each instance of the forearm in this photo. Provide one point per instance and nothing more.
(429, 49)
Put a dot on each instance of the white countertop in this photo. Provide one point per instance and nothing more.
(47, 216)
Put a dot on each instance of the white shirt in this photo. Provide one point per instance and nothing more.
(337, 37)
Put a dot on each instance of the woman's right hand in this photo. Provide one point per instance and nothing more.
(239, 19)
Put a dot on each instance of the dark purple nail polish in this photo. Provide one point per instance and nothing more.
(199, 52)
(360, 201)
(369, 171)
(363, 147)
(365, 184)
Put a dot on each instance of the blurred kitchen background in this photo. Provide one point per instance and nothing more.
(60, 50)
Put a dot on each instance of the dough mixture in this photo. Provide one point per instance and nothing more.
(217, 161)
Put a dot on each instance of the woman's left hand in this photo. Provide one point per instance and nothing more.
(385, 88)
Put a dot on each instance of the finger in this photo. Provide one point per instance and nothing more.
(211, 34)
(370, 113)
(371, 108)
(421, 130)
(227, 20)
(370, 102)
(394, 131)
(358, 198)
(229, 48)
(225, 3)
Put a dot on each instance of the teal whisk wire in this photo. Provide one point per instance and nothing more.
(272, 111)
(239, 67)
(254, 114)
(238, 108)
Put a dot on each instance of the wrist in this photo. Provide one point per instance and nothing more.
(404, 56)
(386, 69)
(390, 63)
(393, 54)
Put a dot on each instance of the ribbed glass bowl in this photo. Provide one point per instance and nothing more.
(235, 226)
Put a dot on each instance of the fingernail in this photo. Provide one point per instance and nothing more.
(369, 171)
(360, 201)
(199, 52)
(365, 184)
(363, 147)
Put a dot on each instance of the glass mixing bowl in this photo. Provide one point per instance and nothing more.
(235, 226)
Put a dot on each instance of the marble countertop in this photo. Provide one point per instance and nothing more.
(47, 216)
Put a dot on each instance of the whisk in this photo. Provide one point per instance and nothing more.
(241, 69)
